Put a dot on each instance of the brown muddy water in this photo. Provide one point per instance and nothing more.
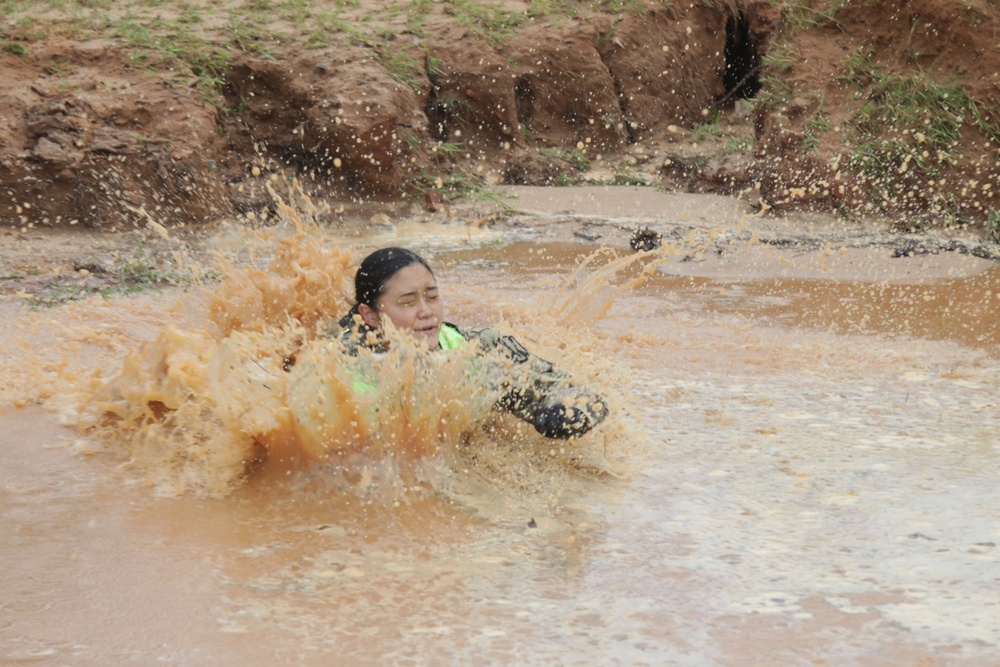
(799, 469)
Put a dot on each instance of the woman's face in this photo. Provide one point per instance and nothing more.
(411, 300)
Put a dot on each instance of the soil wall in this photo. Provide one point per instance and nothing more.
(797, 106)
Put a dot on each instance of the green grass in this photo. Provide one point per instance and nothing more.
(918, 117)
(818, 123)
(246, 34)
(635, 7)
(485, 194)
(737, 145)
(993, 226)
(13, 48)
(550, 9)
(576, 158)
(164, 33)
(332, 27)
(908, 124)
(624, 174)
(450, 148)
(876, 160)
(706, 131)
(775, 76)
(55, 295)
(494, 22)
(799, 16)
(455, 185)
(434, 67)
(917, 102)
(782, 57)
(141, 268)
(931, 111)
(134, 273)
(564, 180)
(416, 14)
(403, 65)
(155, 41)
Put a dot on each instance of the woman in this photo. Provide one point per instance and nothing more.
(397, 284)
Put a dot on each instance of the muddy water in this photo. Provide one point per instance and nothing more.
(806, 476)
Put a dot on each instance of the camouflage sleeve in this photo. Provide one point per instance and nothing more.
(535, 391)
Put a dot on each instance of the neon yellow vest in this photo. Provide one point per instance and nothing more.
(449, 338)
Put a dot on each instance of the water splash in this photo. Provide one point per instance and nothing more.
(253, 384)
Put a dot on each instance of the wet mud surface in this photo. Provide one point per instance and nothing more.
(807, 483)
(794, 320)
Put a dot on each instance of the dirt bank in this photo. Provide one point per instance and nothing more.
(115, 114)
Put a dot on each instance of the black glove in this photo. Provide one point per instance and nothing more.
(562, 421)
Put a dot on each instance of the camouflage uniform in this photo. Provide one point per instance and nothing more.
(533, 390)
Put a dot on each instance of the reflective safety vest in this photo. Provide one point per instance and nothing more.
(449, 338)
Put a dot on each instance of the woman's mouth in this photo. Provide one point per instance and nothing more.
(428, 332)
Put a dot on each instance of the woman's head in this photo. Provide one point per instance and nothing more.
(399, 284)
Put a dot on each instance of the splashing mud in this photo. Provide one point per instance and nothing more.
(247, 374)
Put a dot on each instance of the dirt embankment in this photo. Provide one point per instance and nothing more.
(872, 109)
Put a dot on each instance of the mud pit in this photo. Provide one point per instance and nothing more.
(803, 483)
(798, 466)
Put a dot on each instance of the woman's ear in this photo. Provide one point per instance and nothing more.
(369, 316)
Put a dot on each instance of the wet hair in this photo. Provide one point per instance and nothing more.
(377, 268)
(375, 271)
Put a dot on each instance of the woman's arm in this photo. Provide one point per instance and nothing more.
(538, 393)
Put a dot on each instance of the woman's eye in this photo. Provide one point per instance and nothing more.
(408, 303)
(432, 297)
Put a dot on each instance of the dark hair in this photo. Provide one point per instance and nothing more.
(377, 268)
(375, 271)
